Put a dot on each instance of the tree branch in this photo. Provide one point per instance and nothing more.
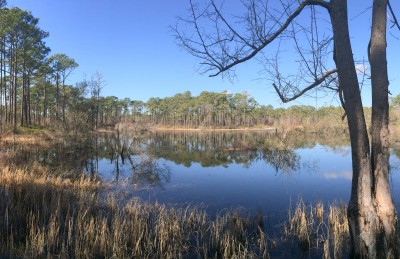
(395, 22)
(308, 88)
(273, 36)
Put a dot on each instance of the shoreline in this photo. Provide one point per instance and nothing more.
(155, 128)
(210, 129)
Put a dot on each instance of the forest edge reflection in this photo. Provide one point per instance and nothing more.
(143, 151)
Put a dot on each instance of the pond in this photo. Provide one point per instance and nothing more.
(218, 170)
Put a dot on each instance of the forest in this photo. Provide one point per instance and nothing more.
(33, 82)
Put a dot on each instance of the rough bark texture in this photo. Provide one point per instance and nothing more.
(380, 132)
(361, 212)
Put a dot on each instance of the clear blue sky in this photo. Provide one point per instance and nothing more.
(130, 43)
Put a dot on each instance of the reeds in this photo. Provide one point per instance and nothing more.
(315, 229)
(45, 216)
(339, 228)
(300, 224)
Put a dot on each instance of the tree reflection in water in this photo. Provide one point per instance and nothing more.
(282, 160)
(146, 169)
(142, 152)
(224, 148)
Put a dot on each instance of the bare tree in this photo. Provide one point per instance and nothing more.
(97, 84)
(222, 43)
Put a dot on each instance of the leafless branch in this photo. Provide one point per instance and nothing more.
(227, 47)
(319, 81)
(394, 21)
(267, 41)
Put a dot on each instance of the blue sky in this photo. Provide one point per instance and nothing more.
(130, 43)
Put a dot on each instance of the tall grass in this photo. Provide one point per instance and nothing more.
(45, 216)
(314, 229)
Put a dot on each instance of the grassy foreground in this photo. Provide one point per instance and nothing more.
(48, 214)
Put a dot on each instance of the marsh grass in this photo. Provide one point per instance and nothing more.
(339, 229)
(44, 216)
(315, 229)
(41, 138)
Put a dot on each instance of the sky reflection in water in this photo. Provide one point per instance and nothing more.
(322, 173)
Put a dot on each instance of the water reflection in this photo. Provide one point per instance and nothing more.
(339, 175)
(141, 154)
(223, 148)
(255, 170)
(130, 158)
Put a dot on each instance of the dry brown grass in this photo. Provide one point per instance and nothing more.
(15, 147)
(46, 216)
(300, 224)
(315, 230)
(339, 228)
(28, 140)
(319, 211)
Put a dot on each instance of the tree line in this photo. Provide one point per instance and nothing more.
(227, 110)
(34, 91)
(33, 83)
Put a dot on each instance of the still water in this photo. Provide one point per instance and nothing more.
(248, 170)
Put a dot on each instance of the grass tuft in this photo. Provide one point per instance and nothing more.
(315, 230)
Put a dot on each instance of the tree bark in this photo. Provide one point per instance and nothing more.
(361, 212)
(57, 95)
(45, 101)
(1, 83)
(15, 83)
(380, 151)
(29, 120)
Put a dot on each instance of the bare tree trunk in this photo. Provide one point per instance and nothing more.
(15, 79)
(23, 96)
(371, 214)
(11, 86)
(361, 212)
(63, 100)
(57, 95)
(385, 209)
(5, 86)
(1, 84)
(28, 100)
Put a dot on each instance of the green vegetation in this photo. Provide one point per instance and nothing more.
(240, 147)
(33, 89)
(226, 110)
